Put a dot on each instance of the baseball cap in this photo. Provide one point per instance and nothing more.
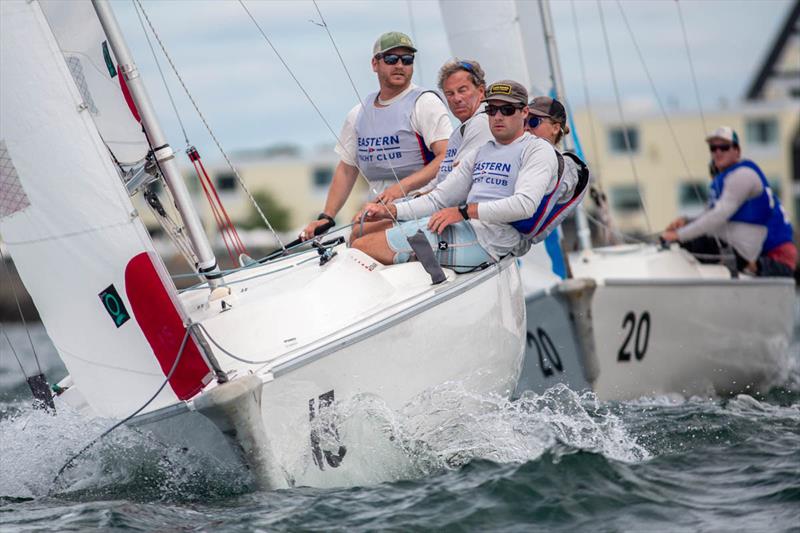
(392, 39)
(507, 91)
(544, 106)
(726, 133)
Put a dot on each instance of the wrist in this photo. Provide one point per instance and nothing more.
(326, 216)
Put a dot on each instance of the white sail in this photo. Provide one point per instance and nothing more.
(80, 248)
(505, 37)
(94, 68)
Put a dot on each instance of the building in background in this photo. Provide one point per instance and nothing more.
(650, 179)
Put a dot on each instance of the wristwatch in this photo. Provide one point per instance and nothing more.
(327, 217)
(463, 210)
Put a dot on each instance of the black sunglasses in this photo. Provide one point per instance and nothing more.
(507, 110)
(721, 147)
(534, 122)
(392, 59)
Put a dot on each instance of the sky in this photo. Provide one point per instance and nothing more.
(250, 101)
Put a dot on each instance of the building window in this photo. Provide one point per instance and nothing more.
(761, 132)
(322, 176)
(616, 140)
(226, 182)
(626, 199)
(692, 194)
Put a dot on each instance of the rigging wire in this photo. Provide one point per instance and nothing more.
(125, 420)
(413, 36)
(313, 103)
(21, 314)
(16, 356)
(660, 103)
(691, 67)
(585, 86)
(161, 73)
(625, 132)
(363, 106)
(208, 127)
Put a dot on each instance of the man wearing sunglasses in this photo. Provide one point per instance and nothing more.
(400, 132)
(479, 213)
(743, 212)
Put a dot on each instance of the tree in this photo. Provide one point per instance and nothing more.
(278, 215)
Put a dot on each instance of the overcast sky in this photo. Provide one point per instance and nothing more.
(250, 100)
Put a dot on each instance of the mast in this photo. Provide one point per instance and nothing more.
(161, 148)
(584, 234)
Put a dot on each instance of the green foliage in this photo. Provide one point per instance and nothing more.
(278, 215)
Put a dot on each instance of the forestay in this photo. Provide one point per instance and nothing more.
(94, 68)
(80, 248)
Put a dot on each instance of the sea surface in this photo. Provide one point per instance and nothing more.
(559, 461)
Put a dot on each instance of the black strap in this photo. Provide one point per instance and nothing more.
(422, 249)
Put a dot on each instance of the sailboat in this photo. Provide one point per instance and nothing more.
(245, 365)
(628, 320)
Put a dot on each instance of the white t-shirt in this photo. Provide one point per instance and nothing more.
(430, 119)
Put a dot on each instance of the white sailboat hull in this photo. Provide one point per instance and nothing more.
(705, 337)
(653, 322)
(468, 336)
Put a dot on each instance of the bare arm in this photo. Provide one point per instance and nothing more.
(344, 178)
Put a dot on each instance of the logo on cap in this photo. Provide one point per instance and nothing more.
(500, 88)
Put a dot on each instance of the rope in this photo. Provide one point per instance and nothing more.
(625, 135)
(208, 128)
(21, 314)
(130, 416)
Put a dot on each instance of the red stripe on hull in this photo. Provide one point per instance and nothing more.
(161, 324)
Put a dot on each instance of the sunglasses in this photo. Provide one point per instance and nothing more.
(392, 59)
(467, 66)
(719, 147)
(534, 122)
(507, 110)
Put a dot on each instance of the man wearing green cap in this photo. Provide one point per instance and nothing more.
(488, 206)
(400, 133)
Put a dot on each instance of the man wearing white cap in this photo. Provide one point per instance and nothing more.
(400, 132)
(743, 212)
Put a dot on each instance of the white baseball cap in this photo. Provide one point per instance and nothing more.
(725, 133)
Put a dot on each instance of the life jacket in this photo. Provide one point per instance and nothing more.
(479, 120)
(388, 147)
(763, 210)
(553, 210)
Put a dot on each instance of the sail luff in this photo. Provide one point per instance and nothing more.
(161, 148)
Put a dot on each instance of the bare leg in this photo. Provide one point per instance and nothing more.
(375, 246)
(369, 227)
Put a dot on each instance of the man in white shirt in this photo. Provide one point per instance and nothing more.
(400, 132)
(500, 190)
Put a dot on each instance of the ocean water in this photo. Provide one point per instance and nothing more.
(559, 461)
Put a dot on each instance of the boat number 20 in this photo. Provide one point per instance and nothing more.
(641, 327)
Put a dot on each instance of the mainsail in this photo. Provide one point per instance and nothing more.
(505, 36)
(82, 252)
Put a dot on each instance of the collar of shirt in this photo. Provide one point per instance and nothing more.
(392, 100)
(522, 137)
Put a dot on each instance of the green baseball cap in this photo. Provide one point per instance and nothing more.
(507, 91)
(392, 39)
